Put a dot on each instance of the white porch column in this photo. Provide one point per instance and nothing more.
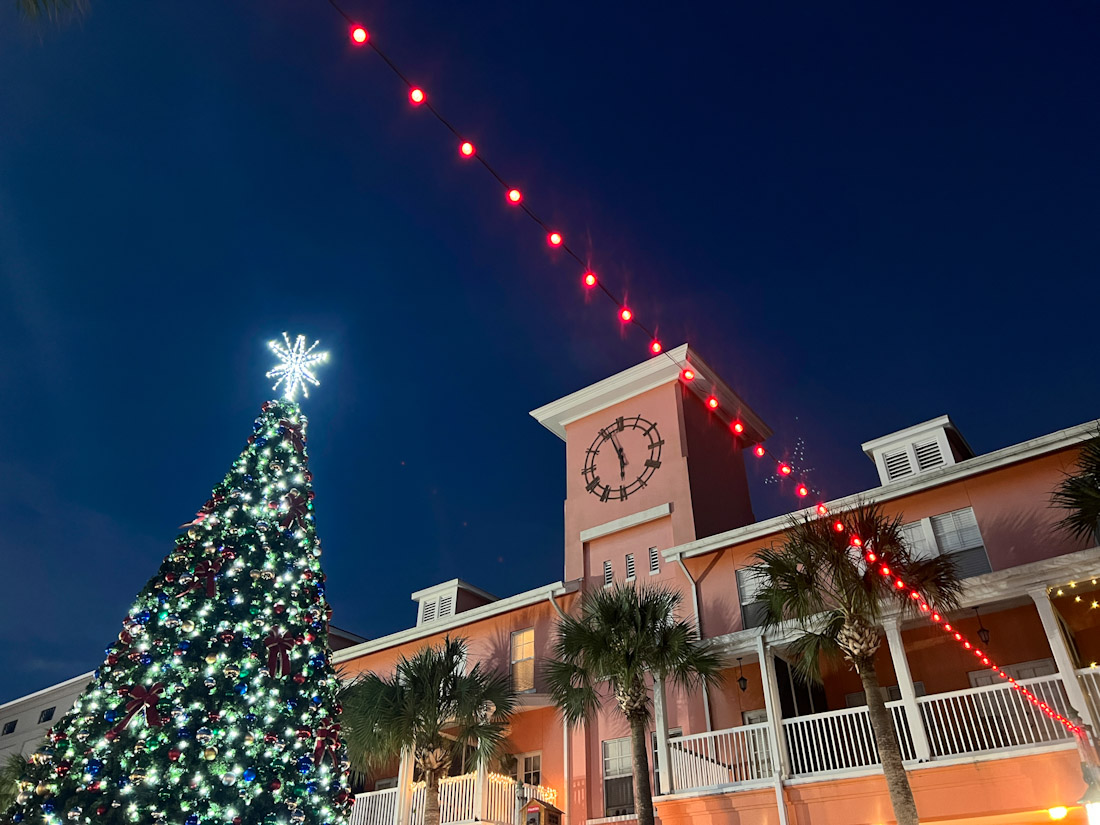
(767, 683)
(908, 695)
(660, 717)
(770, 684)
(403, 807)
(481, 782)
(1067, 669)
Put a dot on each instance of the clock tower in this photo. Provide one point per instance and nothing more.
(650, 465)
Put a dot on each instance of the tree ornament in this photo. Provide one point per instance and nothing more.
(210, 753)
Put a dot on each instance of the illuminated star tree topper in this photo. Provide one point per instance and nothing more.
(295, 370)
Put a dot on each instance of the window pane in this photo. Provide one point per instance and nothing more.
(748, 583)
(956, 531)
(46, 715)
(917, 540)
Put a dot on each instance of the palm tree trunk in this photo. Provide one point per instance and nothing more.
(643, 794)
(431, 799)
(886, 740)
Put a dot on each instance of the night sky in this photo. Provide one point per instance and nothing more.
(862, 216)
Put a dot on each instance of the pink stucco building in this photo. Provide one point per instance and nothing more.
(776, 751)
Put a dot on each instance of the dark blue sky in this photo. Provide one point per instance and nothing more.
(862, 216)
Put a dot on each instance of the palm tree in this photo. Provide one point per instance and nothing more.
(434, 707)
(11, 771)
(817, 580)
(1080, 494)
(620, 635)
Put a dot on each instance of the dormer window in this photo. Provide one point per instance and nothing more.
(917, 450)
(447, 599)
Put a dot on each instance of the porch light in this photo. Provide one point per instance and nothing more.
(1059, 812)
(983, 631)
(742, 682)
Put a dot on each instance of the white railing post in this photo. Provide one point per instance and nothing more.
(402, 810)
(1067, 669)
(773, 706)
(660, 714)
(481, 782)
(908, 695)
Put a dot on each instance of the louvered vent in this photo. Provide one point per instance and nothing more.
(897, 464)
(608, 577)
(630, 565)
(429, 613)
(929, 455)
(446, 606)
(654, 560)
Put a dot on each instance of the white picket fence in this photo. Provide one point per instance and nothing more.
(726, 757)
(457, 802)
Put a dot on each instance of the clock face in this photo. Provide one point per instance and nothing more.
(623, 457)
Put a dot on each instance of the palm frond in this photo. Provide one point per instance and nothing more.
(51, 9)
(620, 636)
(1079, 493)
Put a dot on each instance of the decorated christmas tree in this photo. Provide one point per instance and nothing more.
(217, 703)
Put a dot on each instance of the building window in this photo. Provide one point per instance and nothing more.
(952, 534)
(46, 715)
(608, 576)
(629, 566)
(654, 560)
(523, 660)
(9, 727)
(618, 778)
(673, 732)
(748, 586)
(529, 768)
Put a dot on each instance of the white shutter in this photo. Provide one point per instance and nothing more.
(428, 613)
(446, 606)
(897, 464)
(928, 454)
(608, 577)
(748, 584)
(654, 560)
(956, 531)
(630, 565)
(916, 540)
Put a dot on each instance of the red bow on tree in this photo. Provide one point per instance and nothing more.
(293, 434)
(142, 699)
(205, 569)
(296, 510)
(279, 644)
(328, 741)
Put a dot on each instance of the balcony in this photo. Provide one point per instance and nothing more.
(460, 800)
(989, 720)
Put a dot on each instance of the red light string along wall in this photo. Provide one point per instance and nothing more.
(929, 611)
(419, 98)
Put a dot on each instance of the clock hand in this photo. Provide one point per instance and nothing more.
(622, 458)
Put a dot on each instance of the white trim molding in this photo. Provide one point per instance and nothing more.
(619, 524)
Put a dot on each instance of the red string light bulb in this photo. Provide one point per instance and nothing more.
(514, 196)
(687, 374)
(590, 279)
(467, 149)
(416, 96)
(554, 239)
(625, 314)
(359, 35)
(655, 347)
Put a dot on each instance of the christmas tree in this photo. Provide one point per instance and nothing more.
(217, 704)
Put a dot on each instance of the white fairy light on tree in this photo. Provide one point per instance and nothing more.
(294, 372)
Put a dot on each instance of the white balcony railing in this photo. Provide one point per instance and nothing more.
(995, 717)
(726, 757)
(457, 802)
(962, 722)
(839, 740)
(1090, 684)
(374, 808)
